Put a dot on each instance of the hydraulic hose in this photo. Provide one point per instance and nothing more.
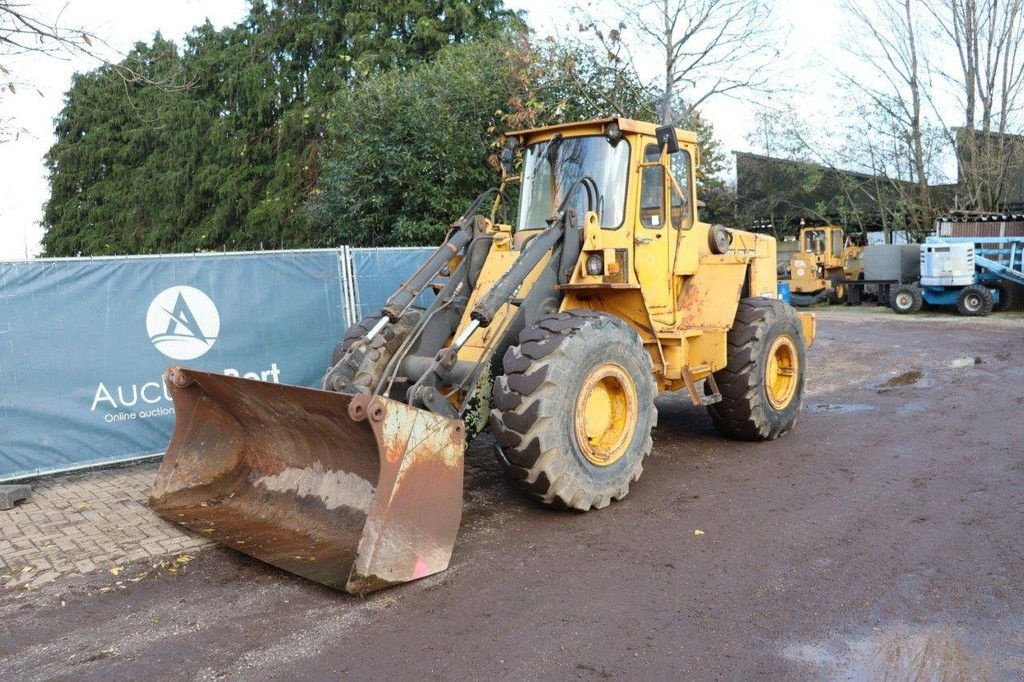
(558, 227)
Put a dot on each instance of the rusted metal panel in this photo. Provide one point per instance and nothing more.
(417, 509)
(354, 493)
(994, 225)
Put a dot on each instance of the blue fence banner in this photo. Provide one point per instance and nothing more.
(378, 272)
(84, 343)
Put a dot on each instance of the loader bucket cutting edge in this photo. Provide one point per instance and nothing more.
(352, 491)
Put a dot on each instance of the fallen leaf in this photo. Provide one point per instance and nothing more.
(116, 570)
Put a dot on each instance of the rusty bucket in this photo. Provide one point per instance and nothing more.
(355, 492)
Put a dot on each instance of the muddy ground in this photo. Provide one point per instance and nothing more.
(883, 535)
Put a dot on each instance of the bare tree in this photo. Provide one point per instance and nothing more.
(705, 48)
(988, 37)
(25, 31)
(892, 79)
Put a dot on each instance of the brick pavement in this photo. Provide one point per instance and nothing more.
(80, 523)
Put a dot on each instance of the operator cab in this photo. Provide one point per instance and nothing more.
(822, 240)
(610, 152)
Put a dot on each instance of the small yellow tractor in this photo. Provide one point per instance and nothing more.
(827, 258)
(557, 335)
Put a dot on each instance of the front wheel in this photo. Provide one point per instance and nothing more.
(762, 384)
(974, 300)
(907, 299)
(574, 409)
(357, 365)
(836, 292)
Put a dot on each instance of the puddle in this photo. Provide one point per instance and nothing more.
(841, 408)
(903, 653)
(905, 379)
(912, 378)
(923, 656)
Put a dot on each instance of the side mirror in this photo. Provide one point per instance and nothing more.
(667, 140)
(508, 156)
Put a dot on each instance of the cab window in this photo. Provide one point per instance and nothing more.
(681, 211)
(837, 243)
(814, 241)
(652, 190)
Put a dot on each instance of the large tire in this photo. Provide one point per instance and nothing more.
(752, 408)
(359, 371)
(549, 381)
(906, 299)
(836, 292)
(356, 331)
(974, 300)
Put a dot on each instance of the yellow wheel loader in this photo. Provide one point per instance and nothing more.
(558, 336)
(827, 258)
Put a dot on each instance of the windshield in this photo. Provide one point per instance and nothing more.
(550, 169)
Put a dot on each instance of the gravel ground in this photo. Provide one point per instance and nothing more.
(879, 539)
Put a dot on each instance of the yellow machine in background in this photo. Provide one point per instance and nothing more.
(557, 334)
(826, 258)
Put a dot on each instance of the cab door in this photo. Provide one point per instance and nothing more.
(684, 241)
(651, 249)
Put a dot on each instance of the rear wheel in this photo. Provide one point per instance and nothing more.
(974, 300)
(353, 333)
(574, 410)
(762, 384)
(906, 299)
(837, 292)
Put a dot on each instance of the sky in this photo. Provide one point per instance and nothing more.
(813, 28)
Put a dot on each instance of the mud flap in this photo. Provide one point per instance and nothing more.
(352, 491)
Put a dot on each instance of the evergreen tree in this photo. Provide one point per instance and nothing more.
(229, 161)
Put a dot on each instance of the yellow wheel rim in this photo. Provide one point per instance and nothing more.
(782, 372)
(606, 414)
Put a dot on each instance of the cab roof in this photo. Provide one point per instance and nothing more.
(626, 125)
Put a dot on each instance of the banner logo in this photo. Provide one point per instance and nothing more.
(182, 322)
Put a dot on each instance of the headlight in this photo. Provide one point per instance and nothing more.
(595, 264)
